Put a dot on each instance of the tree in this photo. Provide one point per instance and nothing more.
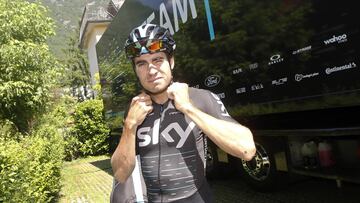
(247, 33)
(27, 68)
(77, 75)
(90, 129)
(118, 82)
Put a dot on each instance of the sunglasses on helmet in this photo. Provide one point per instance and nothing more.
(137, 48)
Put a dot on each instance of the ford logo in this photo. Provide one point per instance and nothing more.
(212, 81)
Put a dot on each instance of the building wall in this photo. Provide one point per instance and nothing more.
(95, 34)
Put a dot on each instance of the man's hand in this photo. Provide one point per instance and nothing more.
(140, 106)
(179, 92)
(123, 159)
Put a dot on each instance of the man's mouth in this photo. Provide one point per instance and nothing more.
(154, 79)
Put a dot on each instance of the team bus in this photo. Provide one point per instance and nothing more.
(287, 69)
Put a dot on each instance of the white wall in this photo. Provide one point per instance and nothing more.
(94, 37)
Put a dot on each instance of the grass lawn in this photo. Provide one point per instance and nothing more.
(86, 180)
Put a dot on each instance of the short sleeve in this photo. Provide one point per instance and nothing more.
(211, 104)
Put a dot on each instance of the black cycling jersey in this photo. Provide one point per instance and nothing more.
(171, 149)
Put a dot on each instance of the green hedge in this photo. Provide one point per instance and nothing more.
(30, 166)
(90, 129)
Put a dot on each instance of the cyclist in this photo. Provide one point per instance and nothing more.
(166, 123)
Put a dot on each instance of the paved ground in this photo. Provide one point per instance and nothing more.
(87, 181)
(90, 181)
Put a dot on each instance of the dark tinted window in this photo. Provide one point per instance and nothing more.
(267, 56)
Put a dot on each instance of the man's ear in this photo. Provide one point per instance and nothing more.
(172, 63)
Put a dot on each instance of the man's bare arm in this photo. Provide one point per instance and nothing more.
(123, 159)
(233, 138)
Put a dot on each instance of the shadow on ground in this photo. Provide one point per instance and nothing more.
(103, 165)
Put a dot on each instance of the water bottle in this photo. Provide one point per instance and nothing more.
(326, 158)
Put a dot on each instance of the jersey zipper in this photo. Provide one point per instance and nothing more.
(161, 112)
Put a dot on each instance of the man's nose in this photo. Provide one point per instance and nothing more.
(152, 69)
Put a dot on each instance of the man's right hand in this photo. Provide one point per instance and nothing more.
(140, 106)
(123, 159)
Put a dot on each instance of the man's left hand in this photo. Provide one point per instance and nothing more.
(179, 92)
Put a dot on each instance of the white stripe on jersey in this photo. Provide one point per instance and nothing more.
(137, 181)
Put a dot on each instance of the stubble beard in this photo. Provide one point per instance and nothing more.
(158, 91)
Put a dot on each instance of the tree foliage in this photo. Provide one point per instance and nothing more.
(77, 75)
(27, 68)
(118, 82)
(246, 32)
(90, 129)
(24, 21)
(30, 166)
(66, 15)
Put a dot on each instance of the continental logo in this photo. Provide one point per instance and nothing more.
(340, 68)
(339, 39)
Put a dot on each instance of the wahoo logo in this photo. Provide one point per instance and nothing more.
(339, 39)
(143, 134)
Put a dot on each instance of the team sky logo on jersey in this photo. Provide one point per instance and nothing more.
(150, 135)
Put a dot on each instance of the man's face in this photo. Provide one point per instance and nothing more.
(154, 71)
